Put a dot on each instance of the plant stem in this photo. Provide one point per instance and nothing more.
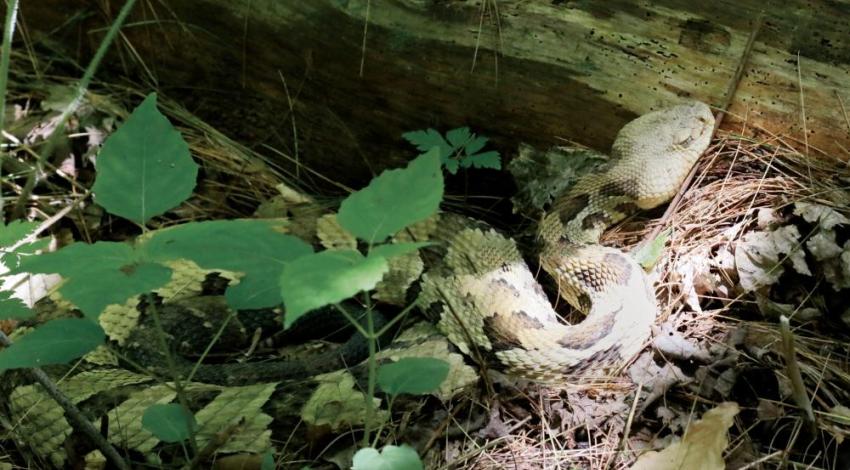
(373, 375)
(80, 90)
(798, 388)
(172, 367)
(5, 53)
(74, 413)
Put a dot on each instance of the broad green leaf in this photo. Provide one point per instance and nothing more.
(11, 307)
(254, 247)
(458, 137)
(327, 277)
(144, 168)
(55, 342)
(390, 458)
(428, 139)
(650, 253)
(394, 200)
(15, 232)
(169, 422)
(414, 375)
(98, 275)
(268, 462)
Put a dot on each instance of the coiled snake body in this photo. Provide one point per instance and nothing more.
(490, 304)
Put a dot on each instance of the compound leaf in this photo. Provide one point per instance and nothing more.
(488, 159)
(11, 307)
(428, 139)
(458, 137)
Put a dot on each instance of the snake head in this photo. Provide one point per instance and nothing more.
(681, 131)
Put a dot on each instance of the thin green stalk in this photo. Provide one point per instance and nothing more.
(172, 367)
(356, 324)
(395, 320)
(373, 375)
(230, 316)
(79, 92)
(5, 58)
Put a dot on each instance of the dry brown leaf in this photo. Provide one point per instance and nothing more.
(700, 449)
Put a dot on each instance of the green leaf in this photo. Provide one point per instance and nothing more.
(268, 462)
(452, 165)
(327, 277)
(16, 231)
(394, 200)
(650, 253)
(390, 458)
(390, 250)
(428, 139)
(483, 160)
(254, 247)
(458, 137)
(413, 375)
(55, 342)
(144, 168)
(12, 259)
(11, 307)
(169, 422)
(98, 275)
(474, 145)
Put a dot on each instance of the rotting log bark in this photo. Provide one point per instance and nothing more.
(538, 71)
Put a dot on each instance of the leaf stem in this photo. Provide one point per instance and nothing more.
(373, 374)
(356, 324)
(395, 320)
(172, 367)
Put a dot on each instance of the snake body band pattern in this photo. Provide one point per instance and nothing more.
(492, 307)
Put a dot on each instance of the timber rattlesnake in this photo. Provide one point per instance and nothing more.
(489, 302)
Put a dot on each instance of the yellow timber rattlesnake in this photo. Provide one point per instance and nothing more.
(488, 299)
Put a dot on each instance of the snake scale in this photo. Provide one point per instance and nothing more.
(489, 302)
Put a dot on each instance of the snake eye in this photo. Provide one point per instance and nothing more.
(683, 137)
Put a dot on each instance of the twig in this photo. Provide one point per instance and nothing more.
(79, 92)
(365, 32)
(625, 439)
(718, 120)
(757, 463)
(8, 34)
(73, 412)
(219, 439)
(798, 388)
